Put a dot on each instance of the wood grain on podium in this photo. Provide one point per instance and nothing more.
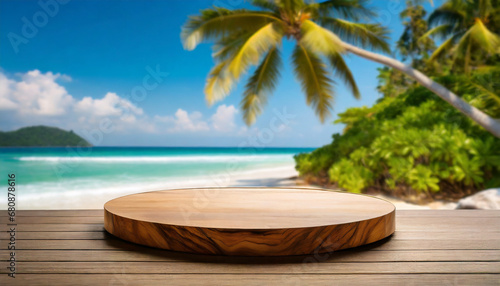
(250, 221)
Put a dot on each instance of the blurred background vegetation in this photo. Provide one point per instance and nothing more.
(411, 144)
(41, 136)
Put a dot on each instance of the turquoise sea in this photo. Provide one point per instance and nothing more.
(62, 173)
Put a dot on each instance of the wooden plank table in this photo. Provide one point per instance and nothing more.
(458, 247)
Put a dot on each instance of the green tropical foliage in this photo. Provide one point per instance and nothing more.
(247, 38)
(411, 145)
(466, 27)
(410, 142)
(411, 44)
(392, 82)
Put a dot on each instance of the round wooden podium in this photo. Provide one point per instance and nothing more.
(250, 221)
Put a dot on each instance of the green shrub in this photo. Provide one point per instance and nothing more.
(415, 140)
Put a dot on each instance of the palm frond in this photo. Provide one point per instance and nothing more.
(347, 9)
(315, 80)
(291, 7)
(260, 85)
(445, 46)
(441, 31)
(484, 38)
(487, 93)
(485, 6)
(219, 83)
(372, 36)
(342, 71)
(484, 90)
(479, 37)
(252, 50)
(467, 58)
(219, 22)
(406, 13)
(266, 4)
(228, 46)
(320, 40)
(448, 14)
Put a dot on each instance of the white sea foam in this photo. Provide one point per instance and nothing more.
(157, 159)
(83, 193)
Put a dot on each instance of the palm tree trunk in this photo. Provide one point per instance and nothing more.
(488, 123)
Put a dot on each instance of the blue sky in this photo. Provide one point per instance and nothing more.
(80, 65)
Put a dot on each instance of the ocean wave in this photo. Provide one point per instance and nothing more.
(156, 159)
(93, 193)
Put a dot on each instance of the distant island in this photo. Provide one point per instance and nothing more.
(41, 136)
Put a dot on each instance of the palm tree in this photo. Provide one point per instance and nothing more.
(391, 83)
(322, 31)
(466, 29)
(411, 44)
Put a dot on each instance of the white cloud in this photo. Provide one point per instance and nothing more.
(110, 105)
(223, 119)
(36, 94)
(66, 78)
(6, 100)
(182, 121)
(37, 98)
